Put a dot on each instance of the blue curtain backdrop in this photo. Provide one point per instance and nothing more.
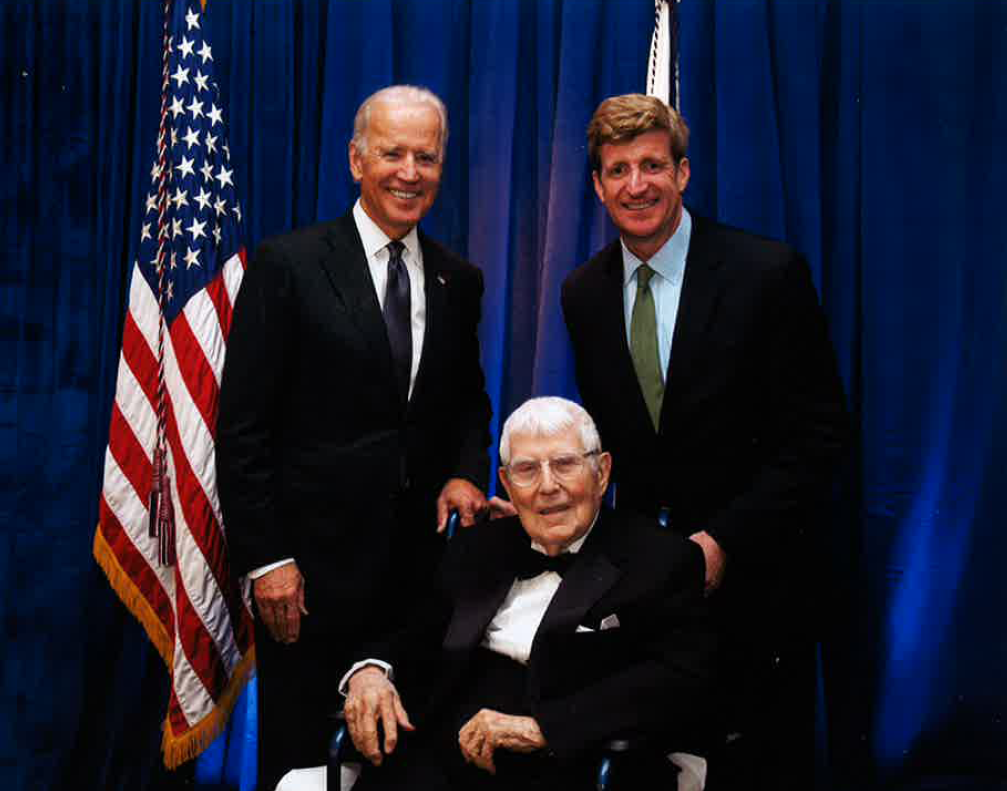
(869, 135)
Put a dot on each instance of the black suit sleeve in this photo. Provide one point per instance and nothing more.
(664, 686)
(250, 399)
(806, 425)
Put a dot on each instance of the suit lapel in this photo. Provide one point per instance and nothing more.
(350, 276)
(435, 292)
(588, 579)
(701, 293)
(475, 610)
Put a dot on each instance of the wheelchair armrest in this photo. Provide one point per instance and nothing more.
(454, 522)
(624, 751)
(341, 750)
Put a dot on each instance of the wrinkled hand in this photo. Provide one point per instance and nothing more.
(373, 698)
(489, 730)
(499, 508)
(279, 595)
(716, 559)
(463, 495)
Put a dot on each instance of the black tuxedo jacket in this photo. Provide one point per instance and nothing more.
(650, 675)
(753, 419)
(319, 458)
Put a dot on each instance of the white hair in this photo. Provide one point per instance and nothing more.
(398, 94)
(548, 417)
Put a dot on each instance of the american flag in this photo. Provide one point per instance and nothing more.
(160, 538)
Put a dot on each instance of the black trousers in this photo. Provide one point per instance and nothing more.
(430, 759)
(296, 697)
(771, 704)
(297, 684)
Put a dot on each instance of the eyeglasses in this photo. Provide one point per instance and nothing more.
(528, 472)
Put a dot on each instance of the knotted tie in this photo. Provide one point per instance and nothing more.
(533, 563)
(643, 345)
(398, 316)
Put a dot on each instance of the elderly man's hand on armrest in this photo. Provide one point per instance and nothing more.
(488, 730)
(372, 699)
(467, 498)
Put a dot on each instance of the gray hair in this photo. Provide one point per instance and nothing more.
(547, 417)
(398, 94)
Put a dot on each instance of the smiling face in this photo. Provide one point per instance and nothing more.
(399, 171)
(556, 512)
(642, 188)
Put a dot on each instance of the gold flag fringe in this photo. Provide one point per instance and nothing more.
(177, 749)
(133, 598)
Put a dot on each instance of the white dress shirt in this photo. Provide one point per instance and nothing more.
(668, 264)
(513, 628)
(375, 242)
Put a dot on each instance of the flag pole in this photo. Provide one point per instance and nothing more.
(662, 68)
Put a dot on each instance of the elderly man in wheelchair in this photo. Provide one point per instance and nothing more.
(555, 631)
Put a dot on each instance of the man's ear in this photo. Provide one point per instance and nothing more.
(356, 162)
(604, 470)
(502, 472)
(682, 174)
(598, 189)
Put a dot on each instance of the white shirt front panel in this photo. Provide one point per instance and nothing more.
(513, 628)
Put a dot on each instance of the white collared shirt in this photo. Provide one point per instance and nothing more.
(668, 264)
(375, 242)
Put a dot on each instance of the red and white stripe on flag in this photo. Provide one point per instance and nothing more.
(183, 285)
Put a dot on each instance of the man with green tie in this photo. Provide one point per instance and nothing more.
(703, 354)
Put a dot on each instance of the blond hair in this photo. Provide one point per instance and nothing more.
(621, 118)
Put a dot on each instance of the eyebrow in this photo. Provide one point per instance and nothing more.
(551, 456)
(396, 149)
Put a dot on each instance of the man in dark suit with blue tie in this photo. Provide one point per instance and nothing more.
(703, 354)
(353, 417)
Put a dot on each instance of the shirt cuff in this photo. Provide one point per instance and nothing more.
(261, 571)
(344, 682)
